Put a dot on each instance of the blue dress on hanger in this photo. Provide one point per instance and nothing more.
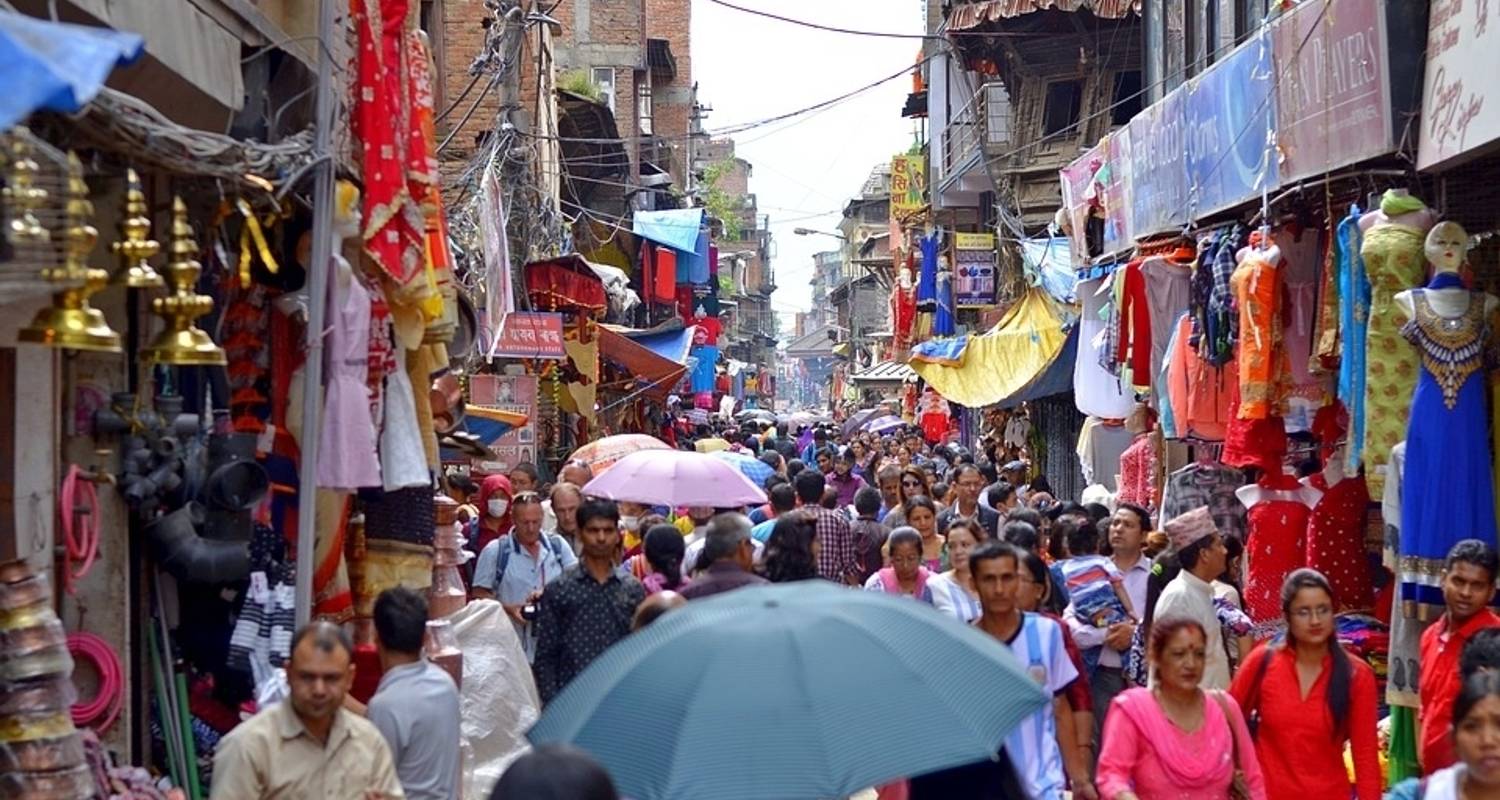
(927, 273)
(1354, 319)
(942, 321)
(1447, 490)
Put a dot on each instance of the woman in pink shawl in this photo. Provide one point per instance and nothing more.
(905, 575)
(1174, 739)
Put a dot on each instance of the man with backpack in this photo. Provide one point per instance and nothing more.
(515, 569)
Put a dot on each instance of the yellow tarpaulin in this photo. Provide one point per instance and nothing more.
(1003, 360)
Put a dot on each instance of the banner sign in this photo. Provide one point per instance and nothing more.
(1333, 102)
(1230, 115)
(531, 334)
(515, 393)
(1158, 173)
(908, 187)
(1463, 56)
(973, 270)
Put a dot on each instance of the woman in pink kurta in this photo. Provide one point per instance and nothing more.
(1148, 755)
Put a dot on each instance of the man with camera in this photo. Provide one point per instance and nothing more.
(514, 569)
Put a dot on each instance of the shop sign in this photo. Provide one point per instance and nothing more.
(516, 393)
(1463, 56)
(974, 270)
(1158, 176)
(1230, 118)
(908, 187)
(1333, 101)
(530, 334)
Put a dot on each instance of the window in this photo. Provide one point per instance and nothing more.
(1060, 109)
(1126, 102)
(643, 102)
(604, 78)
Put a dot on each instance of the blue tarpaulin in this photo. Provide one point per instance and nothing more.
(671, 345)
(56, 66)
(676, 228)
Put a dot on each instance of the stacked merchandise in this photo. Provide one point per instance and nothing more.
(41, 753)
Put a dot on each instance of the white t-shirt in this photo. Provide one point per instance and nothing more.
(1032, 746)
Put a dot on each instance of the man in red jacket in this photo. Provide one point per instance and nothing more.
(1468, 587)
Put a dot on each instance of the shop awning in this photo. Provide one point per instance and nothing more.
(56, 66)
(972, 15)
(885, 372)
(676, 228)
(1055, 379)
(816, 344)
(1004, 360)
(654, 372)
(565, 283)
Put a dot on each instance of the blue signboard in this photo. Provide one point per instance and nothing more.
(1230, 117)
(1158, 176)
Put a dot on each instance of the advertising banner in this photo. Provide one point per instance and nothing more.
(509, 393)
(908, 187)
(1158, 174)
(530, 334)
(973, 270)
(1463, 56)
(1230, 116)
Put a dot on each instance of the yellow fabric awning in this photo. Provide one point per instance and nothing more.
(1003, 360)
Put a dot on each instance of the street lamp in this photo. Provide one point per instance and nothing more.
(811, 232)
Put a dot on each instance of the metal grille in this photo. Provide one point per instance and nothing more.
(1055, 423)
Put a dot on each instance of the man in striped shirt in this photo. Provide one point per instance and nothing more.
(1037, 642)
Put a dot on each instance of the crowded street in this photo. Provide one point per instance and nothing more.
(749, 400)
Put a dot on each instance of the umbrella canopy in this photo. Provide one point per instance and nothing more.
(747, 695)
(601, 454)
(755, 413)
(801, 418)
(749, 466)
(675, 478)
(885, 423)
(859, 418)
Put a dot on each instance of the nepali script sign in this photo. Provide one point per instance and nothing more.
(531, 334)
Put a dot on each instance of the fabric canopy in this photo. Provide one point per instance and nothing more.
(676, 228)
(56, 66)
(565, 283)
(1004, 360)
(670, 345)
(655, 374)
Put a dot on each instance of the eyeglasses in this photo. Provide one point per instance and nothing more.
(911, 483)
(526, 498)
(1308, 614)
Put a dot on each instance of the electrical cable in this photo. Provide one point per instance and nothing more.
(103, 709)
(80, 546)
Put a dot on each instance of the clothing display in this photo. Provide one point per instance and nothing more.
(1138, 468)
(1096, 392)
(1211, 485)
(1354, 318)
(1279, 510)
(1133, 345)
(1262, 356)
(403, 461)
(1200, 392)
(1336, 540)
(1448, 490)
(1100, 445)
(1168, 294)
(1393, 262)
(347, 457)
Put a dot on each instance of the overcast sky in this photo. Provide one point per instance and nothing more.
(750, 68)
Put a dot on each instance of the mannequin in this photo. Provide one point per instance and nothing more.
(1335, 533)
(1279, 508)
(1398, 207)
(1447, 248)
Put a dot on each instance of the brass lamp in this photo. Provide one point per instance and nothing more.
(136, 248)
(24, 197)
(70, 322)
(183, 343)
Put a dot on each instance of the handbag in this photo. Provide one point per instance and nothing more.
(1239, 787)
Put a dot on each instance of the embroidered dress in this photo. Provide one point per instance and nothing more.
(394, 230)
(1448, 492)
(1262, 354)
(1393, 263)
(1336, 541)
(1277, 545)
(1354, 319)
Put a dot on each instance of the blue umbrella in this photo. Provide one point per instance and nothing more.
(765, 692)
(748, 465)
(883, 424)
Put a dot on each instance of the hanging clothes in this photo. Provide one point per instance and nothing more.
(943, 323)
(393, 224)
(1096, 392)
(1354, 320)
(1211, 484)
(1138, 468)
(403, 460)
(1261, 355)
(927, 275)
(703, 369)
(1163, 393)
(1168, 295)
(1277, 518)
(1218, 328)
(1100, 445)
(1200, 392)
(1406, 633)
(1133, 344)
(1393, 263)
(1448, 492)
(347, 458)
(1336, 540)
(1327, 335)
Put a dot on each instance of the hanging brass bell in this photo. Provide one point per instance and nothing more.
(136, 247)
(183, 343)
(70, 322)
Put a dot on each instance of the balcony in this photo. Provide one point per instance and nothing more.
(981, 127)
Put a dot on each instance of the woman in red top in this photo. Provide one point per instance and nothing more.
(1306, 698)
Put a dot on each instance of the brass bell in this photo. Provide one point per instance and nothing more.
(183, 343)
(136, 248)
(70, 322)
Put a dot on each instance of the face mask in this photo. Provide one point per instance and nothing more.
(630, 523)
(497, 508)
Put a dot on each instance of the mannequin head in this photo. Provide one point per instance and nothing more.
(1447, 246)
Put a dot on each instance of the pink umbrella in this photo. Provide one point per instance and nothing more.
(601, 454)
(675, 478)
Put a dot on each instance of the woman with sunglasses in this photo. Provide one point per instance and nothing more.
(1307, 697)
(913, 484)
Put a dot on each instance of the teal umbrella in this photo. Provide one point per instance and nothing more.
(801, 690)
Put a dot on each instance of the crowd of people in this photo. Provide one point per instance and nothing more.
(1132, 625)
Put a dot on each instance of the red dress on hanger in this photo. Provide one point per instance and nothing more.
(1277, 545)
(1336, 541)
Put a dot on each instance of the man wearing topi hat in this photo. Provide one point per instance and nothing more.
(1202, 555)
